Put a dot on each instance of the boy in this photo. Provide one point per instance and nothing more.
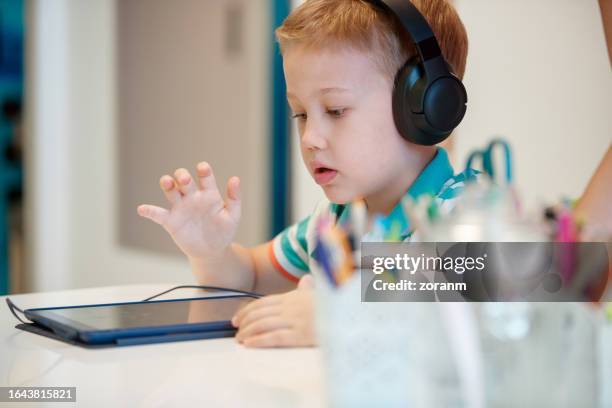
(340, 60)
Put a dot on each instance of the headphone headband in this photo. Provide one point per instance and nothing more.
(429, 101)
(420, 32)
(410, 17)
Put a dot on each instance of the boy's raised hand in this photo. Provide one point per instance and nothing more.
(199, 221)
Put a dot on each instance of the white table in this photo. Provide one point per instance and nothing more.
(205, 373)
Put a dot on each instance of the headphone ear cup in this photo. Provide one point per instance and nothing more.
(426, 113)
(408, 89)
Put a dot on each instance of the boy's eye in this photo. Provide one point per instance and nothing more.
(300, 116)
(336, 112)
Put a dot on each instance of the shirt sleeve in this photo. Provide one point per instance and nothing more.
(288, 251)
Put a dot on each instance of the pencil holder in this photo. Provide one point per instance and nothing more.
(605, 363)
(540, 354)
(381, 354)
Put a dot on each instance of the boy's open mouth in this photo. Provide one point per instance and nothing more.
(322, 170)
(324, 175)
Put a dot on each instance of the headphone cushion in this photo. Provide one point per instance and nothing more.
(406, 100)
(409, 86)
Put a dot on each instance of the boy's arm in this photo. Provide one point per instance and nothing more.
(250, 269)
(594, 205)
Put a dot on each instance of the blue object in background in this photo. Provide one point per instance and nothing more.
(11, 95)
(281, 142)
(488, 163)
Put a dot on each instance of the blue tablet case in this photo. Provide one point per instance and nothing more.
(218, 332)
(131, 341)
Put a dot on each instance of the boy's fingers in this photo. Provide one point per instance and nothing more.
(276, 338)
(256, 304)
(168, 186)
(232, 202)
(184, 181)
(206, 176)
(155, 214)
(265, 325)
(258, 314)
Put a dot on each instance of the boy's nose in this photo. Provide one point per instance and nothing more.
(313, 139)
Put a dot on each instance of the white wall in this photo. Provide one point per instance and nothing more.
(538, 74)
(70, 163)
(205, 100)
(71, 150)
(46, 117)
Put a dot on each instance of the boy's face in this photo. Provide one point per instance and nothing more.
(348, 139)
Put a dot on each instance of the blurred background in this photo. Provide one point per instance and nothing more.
(100, 98)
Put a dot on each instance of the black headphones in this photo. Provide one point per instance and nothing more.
(429, 100)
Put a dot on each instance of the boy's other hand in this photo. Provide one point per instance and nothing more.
(199, 220)
(285, 320)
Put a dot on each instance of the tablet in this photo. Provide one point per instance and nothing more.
(142, 322)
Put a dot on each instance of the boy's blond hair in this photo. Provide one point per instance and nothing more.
(357, 23)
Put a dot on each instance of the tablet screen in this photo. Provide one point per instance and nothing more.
(132, 315)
